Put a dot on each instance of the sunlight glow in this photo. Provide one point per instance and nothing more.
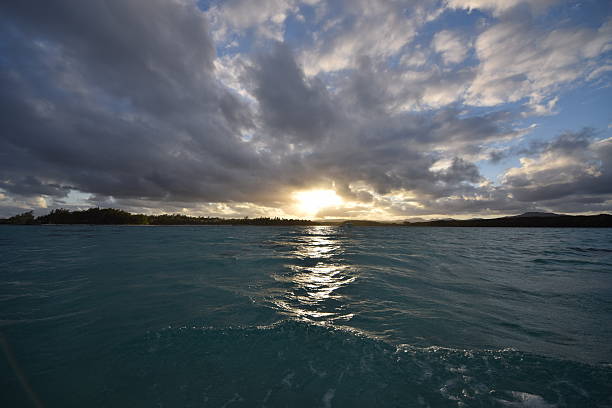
(312, 201)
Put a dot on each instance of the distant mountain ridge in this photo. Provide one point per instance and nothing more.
(526, 220)
(536, 214)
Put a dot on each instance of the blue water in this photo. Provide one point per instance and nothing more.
(305, 317)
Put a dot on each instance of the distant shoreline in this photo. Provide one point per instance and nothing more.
(559, 221)
(110, 216)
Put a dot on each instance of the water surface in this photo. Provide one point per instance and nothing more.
(110, 316)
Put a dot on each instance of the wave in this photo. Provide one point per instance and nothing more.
(300, 364)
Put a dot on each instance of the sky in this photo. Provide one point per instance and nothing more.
(338, 109)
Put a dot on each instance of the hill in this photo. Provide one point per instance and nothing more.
(527, 221)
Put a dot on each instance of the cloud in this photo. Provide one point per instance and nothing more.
(99, 99)
(518, 61)
(499, 7)
(373, 28)
(267, 17)
(376, 86)
(127, 103)
(291, 105)
(451, 46)
(575, 167)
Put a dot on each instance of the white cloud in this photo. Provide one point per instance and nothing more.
(415, 57)
(498, 7)
(373, 28)
(599, 71)
(229, 70)
(267, 16)
(517, 61)
(541, 106)
(451, 45)
(571, 167)
(548, 168)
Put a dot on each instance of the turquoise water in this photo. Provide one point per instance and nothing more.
(305, 317)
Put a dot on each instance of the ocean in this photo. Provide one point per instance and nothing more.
(234, 316)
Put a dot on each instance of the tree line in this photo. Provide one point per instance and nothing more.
(112, 216)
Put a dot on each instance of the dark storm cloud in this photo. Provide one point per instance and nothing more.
(291, 105)
(367, 88)
(152, 52)
(118, 98)
(467, 132)
(461, 170)
(29, 186)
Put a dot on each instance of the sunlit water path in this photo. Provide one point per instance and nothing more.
(305, 316)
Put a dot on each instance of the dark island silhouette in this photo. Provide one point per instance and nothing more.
(111, 216)
(526, 220)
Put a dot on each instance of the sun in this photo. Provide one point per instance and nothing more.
(310, 202)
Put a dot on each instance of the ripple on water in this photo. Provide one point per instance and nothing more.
(364, 316)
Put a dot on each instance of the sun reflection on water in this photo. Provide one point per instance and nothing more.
(316, 274)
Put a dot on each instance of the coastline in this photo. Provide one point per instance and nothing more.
(111, 216)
